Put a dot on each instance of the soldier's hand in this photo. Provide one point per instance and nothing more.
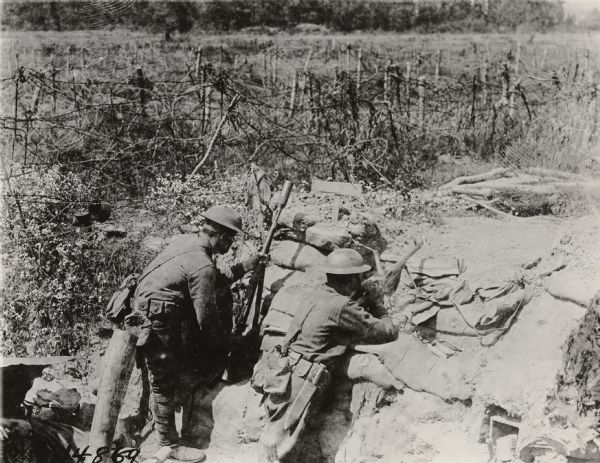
(251, 262)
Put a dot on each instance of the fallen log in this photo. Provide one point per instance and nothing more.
(540, 171)
(492, 174)
(472, 191)
(487, 206)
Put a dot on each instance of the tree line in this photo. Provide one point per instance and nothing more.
(334, 15)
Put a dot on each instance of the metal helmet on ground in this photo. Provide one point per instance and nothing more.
(345, 262)
(224, 216)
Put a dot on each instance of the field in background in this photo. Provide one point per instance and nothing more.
(356, 107)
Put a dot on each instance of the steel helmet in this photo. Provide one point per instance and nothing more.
(225, 216)
(345, 262)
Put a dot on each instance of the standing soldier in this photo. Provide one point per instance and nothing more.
(180, 327)
(319, 334)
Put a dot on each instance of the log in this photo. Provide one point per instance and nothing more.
(487, 206)
(473, 191)
(118, 364)
(492, 174)
(540, 171)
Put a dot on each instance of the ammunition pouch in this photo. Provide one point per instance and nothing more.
(272, 373)
(120, 305)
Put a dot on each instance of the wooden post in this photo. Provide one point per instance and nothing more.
(421, 89)
(347, 60)
(266, 64)
(396, 87)
(511, 109)
(407, 82)
(483, 78)
(293, 96)
(118, 364)
(386, 81)
(358, 69)
(275, 64)
(438, 62)
(53, 89)
(198, 61)
(15, 128)
(545, 52)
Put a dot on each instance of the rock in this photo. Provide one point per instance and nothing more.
(327, 238)
(296, 256)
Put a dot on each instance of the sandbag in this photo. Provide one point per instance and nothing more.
(298, 220)
(327, 238)
(571, 287)
(413, 363)
(296, 256)
(569, 442)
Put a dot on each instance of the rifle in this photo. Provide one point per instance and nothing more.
(255, 286)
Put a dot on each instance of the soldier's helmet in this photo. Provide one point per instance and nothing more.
(345, 262)
(224, 216)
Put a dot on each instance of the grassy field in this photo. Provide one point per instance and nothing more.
(307, 104)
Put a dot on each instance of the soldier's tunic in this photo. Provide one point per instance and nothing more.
(334, 322)
(184, 329)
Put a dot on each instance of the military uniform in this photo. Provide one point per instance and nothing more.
(183, 329)
(329, 323)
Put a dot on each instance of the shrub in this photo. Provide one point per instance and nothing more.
(57, 277)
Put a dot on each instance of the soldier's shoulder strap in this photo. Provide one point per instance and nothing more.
(292, 334)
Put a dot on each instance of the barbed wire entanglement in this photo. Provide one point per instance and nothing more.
(124, 114)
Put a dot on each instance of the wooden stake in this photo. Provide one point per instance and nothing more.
(198, 61)
(438, 62)
(358, 69)
(224, 117)
(347, 61)
(293, 96)
(511, 109)
(483, 78)
(421, 90)
(274, 73)
(386, 81)
(407, 81)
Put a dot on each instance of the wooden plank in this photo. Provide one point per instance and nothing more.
(338, 188)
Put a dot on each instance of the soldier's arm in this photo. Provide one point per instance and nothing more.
(229, 274)
(362, 327)
(201, 284)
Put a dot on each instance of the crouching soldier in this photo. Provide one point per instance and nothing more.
(294, 376)
(180, 329)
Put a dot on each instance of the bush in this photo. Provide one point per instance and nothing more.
(57, 277)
